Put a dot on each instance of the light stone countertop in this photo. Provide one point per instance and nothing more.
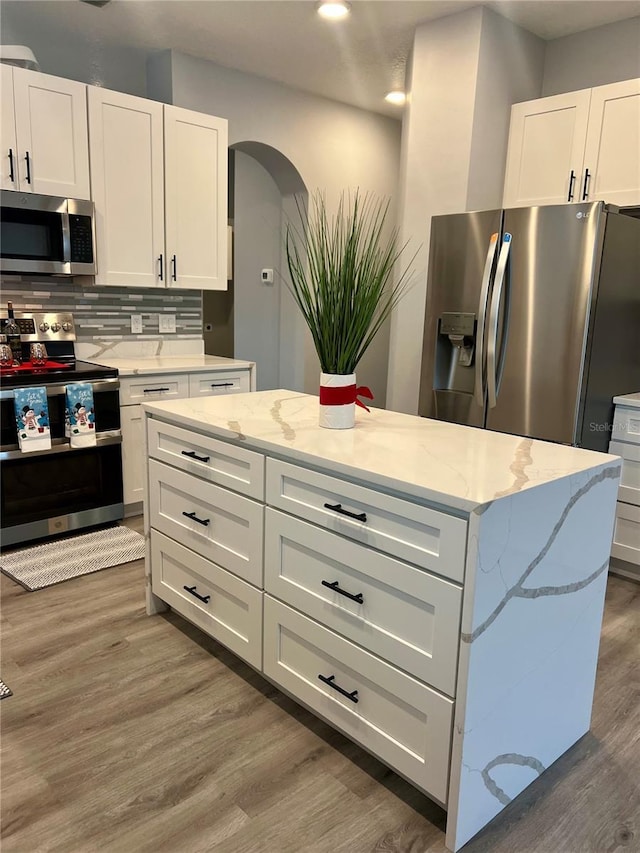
(457, 466)
(134, 366)
(632, 400)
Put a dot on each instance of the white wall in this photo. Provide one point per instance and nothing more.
(333, 147)
(594, 57)
(465, 71)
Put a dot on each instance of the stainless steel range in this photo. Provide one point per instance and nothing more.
(47, 492)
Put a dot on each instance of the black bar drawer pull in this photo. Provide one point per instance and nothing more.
(192, 590)
(174, 265)
(585, 188)
(203, 521)
(359, 516)
(193, 455)
(12, 174)
(222, 384)
(572, 181)
(28, 161)
(330, 680)
(161, 275)
(334, 586)
(154, 390)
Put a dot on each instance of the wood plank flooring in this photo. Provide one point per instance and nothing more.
(132, 734)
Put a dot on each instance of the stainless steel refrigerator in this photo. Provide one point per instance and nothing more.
(532, 320)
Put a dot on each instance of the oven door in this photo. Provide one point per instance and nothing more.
(60, 489)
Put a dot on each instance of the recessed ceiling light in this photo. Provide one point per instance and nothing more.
(396, 97)
(334, 9)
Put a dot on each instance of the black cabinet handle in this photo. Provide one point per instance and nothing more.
(359, 516)
(203, 521)
(334, 586)
(12, 174)
(222, 384)
(192, 590)
(174, 267)
(193, 455)
(28, 160)
(572, 181)
(330, 680)
(161, 273)
(585, 190)
(154, 390)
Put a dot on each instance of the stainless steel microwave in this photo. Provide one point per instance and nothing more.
(46, 234)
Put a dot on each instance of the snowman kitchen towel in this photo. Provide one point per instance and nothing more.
(80, 423)
(32, 419)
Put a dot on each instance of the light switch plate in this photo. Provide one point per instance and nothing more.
(136, 324)
(166, 322)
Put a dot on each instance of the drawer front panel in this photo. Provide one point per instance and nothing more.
(218, 382)
(217, 461)
(142, 389)
(626, 424)
(626, 536)
(232, 609)
(426, 537)
(223, 527)
(404, 614)
(629, 490)
(397, 718)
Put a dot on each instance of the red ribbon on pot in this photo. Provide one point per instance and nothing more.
(330, 396)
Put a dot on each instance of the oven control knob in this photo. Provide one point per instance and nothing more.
(43, 327)
(67, 327)
(55, 327)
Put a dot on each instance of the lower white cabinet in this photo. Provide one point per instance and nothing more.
(133, 461)
(625, 549)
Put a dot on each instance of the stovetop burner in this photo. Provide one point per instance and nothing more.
(28, 367)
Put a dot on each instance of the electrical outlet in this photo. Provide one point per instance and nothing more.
(166, 322)
(136, 324)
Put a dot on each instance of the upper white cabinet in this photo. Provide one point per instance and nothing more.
(159, 179)
(127, 187)
(579, 146)
(44, 134)
(195, 158)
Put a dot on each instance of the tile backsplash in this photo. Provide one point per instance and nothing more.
(104, 313)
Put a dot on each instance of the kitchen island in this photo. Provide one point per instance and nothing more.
(433, 591)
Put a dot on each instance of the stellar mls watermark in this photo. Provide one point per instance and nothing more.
(609, 427)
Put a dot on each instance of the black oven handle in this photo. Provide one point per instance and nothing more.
(59, 390)
(61, 445)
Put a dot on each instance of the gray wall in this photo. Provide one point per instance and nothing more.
(594, 57)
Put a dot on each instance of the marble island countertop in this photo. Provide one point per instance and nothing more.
(462, 467)
(631, 400)
(134, 365)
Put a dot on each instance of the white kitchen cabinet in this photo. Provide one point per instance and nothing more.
(578, 146)
(159, 178)
(127, 186)
(625, 443)
(133, 463)
(44, 143)
(195, 158)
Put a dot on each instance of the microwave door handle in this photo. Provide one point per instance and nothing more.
(482, 316)
(66, 239)
(493, 372)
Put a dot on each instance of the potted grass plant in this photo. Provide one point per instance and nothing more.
(341, 268)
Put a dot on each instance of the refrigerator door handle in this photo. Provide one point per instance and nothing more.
(492, 342)
(482, 316)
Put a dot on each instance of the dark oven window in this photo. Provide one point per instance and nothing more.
(40, 487)
(31, 235)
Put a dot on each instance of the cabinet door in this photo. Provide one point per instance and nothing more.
(125, 137)
(8, 151)
(196, 199)
(612, 152)
(546, 148)
(133, 461)
(51, 127)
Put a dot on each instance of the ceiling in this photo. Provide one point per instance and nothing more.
(356, 61)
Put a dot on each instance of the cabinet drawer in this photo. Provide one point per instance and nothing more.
(224, 527)
(406, 615)
(626, 424)
(217, 461)
(629, 490)
(218, 382)
(395, 717)
(232, 611)
(141, 389)
(426, 537)
(626, 536)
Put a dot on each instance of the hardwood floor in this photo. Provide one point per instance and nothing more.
(128, 734)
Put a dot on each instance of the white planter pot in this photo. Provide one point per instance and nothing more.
(337, 415)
